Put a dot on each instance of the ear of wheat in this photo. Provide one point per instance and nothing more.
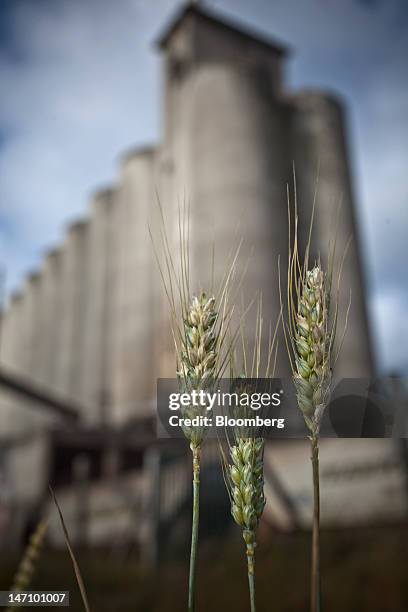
(28, 563)
(244, 468)
(313, 341)
(198, 358)
(199, 325)
(247, 494)
(310, 332)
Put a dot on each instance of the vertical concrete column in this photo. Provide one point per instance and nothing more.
(4, 396)
(319, 140)
(12, 353)
(135, 328)
(11, 359)
(50, 320)
(6, 399)
(99, 319)
(34, 418)
(240, 149)
(31, 326)
(74, 263)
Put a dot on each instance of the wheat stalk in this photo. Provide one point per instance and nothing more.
(244, 470)
(312, 343)
(199, 350)
(199, 325)
(310, 332)
(75, 565)
(246, 484)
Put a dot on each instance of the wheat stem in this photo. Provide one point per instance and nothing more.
(310, 332)
(244, 469)
(200, 324)
(196, 450)
(315, 596)
(250, 552)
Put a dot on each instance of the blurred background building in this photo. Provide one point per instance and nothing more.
(85, 339)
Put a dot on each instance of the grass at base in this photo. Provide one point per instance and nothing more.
(363, 570)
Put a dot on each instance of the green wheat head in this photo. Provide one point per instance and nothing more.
(311, 326)
(244, 466)
(198, 357)
(28, 563)
(247, 489)
(199, 320)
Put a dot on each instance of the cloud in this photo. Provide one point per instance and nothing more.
(80, 93)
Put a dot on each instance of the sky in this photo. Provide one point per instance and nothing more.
(80, 85)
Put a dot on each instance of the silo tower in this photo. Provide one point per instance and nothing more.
(232, 135)
(226, 145)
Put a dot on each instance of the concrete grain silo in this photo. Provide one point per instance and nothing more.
(319, 145)
(31, 341)
(99, 321)
(12, 340)
(50, 320)
(227, 139)
(136, 310)
(232, 135)
(11, 361)
(30, 326)
(73, 295)
(6, 398)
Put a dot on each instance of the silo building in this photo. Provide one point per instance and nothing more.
(92, 327)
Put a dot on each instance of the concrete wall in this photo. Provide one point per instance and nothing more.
(358, 480)
(28, 466)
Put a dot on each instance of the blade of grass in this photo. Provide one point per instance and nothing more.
(77, 571)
